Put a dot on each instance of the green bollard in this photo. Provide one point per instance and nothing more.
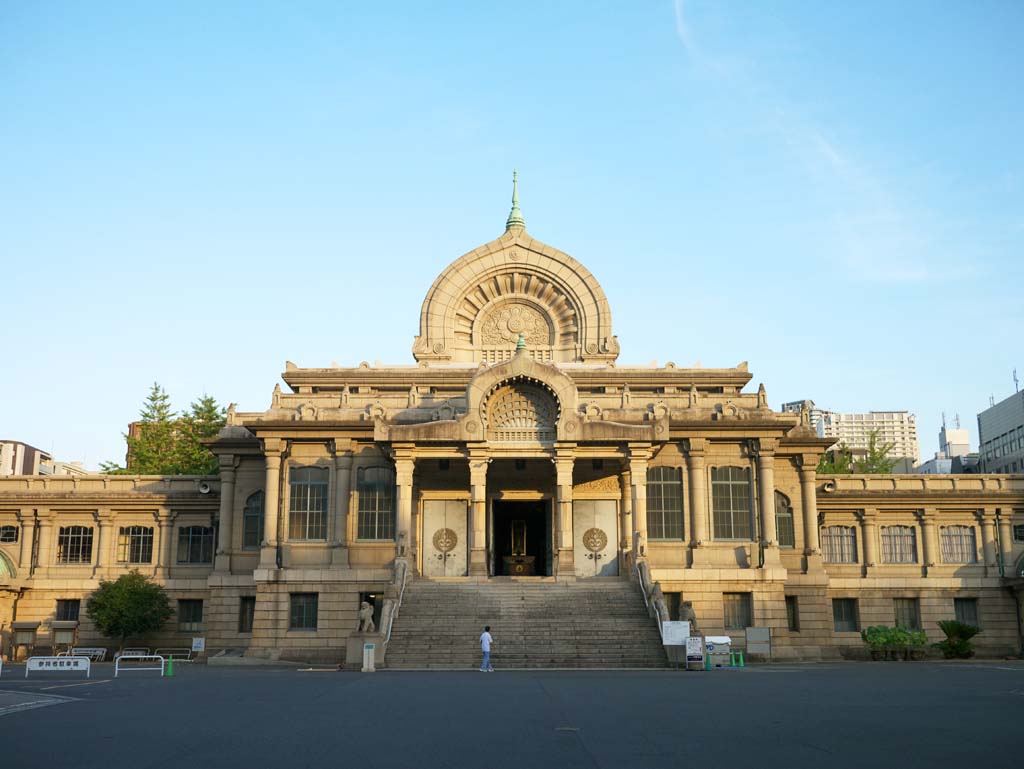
(170, 667)
(740, 652)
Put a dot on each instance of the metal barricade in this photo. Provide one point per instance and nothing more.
(94, 653)
(59, 665)
(132, 659)
(178, 655)
(139, 652)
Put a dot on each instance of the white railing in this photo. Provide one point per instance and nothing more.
(94, 653)
(397, 604)
(179, 655)
(132, 659)
(652, 608)
(137, 652)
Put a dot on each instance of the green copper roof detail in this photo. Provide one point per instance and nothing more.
(515, 216)
(521, 343)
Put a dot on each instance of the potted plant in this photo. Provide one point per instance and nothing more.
(917, 641)
(877, 639)
(958, 639)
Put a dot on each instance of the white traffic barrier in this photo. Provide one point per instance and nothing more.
(138, 652)
(178, 655)
(95, 653)
(132, 659)
(59, 664)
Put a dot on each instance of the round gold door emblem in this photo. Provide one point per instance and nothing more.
(595, 540)
(445, 540)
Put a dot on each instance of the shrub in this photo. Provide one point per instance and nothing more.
(958, 639)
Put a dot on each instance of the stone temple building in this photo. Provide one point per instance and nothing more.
(517, 474)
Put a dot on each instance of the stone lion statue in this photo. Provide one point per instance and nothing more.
(366, 618)
(687, 614)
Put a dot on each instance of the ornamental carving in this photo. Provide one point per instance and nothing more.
(595, 540)
(608, 484)
(445, 540)
(521, 412)
(503, 325)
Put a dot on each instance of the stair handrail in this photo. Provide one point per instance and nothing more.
(656, 607)
(396, 604)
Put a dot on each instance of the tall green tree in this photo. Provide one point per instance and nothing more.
(132, 605)
(876, 461)
(202, 421)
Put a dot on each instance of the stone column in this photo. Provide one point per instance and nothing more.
(165, 549)
(27, 519)
(626, 535)
(101, 556)
(986, 517)
(478, 462)
(697, 471)
(809, 503)
(227, 513)
(342, 489)
(404, 465)
(47, 533)
(766, 501)
(564, 462)
(1006, 542)
(271, 503)
(638, 456)
(869, 526)
(929, 543)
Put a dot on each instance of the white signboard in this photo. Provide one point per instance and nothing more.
(694, 648)
(198, 644)
(59, 664)
(675, 633)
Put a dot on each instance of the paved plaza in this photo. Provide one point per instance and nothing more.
(852, 714)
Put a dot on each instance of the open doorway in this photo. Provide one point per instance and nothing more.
(521, 538)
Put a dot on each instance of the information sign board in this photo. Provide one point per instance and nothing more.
(675, 633)
(198, 644)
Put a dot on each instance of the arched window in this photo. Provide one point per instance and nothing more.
(74, 544)
(375, 487)
(665, 503)
(730, 502)
(252, 521)
(307, 510)
(784, 521)
(8, 533)
(959, 544)
(839, 544)
(899, 544)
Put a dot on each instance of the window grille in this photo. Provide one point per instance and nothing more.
(195, 544)
(784, 528)
(190, 615)
(958, 544)
(730, 502)
(844, 615)
(303, 611)
(74, 544)
(839, 544)
(8, 533)
(67, 610)
(307, 510)
(252, 522)
(908, 613)
(739, 610)
(376, 491)
(966, 611)
(135, 544)
(665, 503)
(899, 544)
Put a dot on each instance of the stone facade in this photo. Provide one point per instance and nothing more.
(518, 444)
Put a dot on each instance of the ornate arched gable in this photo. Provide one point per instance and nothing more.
(479, 305)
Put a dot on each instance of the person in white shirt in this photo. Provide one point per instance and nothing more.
(485, 647)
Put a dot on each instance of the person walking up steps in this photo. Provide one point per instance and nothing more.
(485, 647)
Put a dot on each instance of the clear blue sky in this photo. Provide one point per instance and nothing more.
(194, 193)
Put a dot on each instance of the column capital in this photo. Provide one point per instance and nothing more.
(925, 516)
(867, 515)
(339, 447)
(228, 463)
(25, 515)
(765, 447)
(104, 516)
(165, 516)
(696, 447)
(272, 446)
(985, 516)
(639, 451)
(807, 463)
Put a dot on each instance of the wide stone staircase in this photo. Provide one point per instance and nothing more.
(599, 623)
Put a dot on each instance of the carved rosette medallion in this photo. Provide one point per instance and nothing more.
(504, 324)
(445, 540)
(595, 540)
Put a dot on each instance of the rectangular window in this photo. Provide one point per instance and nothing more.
(252, 522)
(303, 611)
(135, 544)
(784, 521)
(844, 615)
(375, 487)
(307, 509)
(665, 503)
(792, 613)
(899, 544)
(195, 544)
(1018, 533)
(958, 544)
(966, 611)
(839, 544)
(190, 615)
(67, 610)
(908, 613)
(246, 612)
(74, 544)
(8, 533)
(730, 502)
(739, 610)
